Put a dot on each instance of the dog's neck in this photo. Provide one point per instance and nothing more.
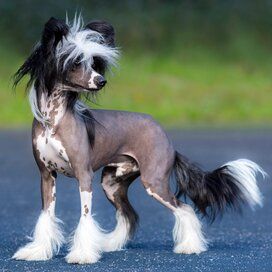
(53, 106)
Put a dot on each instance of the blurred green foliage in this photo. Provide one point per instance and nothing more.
(185, 62)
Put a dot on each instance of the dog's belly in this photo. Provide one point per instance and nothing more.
(53, 154)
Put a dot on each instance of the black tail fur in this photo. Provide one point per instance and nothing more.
(211, 192)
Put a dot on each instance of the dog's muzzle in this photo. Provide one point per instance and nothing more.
(96, 81)
(100, 81)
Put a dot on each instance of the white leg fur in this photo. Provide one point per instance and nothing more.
(88, 240)
(86, 243)
(245, 171)
(187, 233)
(117, 239)
(47, 240)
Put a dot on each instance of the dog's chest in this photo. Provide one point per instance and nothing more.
(53, 154)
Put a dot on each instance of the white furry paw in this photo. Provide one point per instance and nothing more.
(187, 232)
(32, 252)
(117, 239)
(189, 249)
(79, 257)
(112, 245)
(47, 240)
(86, 245)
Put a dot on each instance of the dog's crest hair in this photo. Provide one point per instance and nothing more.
(62, 44)
(82, 44)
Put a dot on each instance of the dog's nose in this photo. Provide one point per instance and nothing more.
(100, 81)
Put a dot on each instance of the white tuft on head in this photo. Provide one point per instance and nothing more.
(245, 171)
(187, 232)
(84, 44)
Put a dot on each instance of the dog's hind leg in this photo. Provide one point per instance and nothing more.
(115, 182)
(47, 237)
(187, 232)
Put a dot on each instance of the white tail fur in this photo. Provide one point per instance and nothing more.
(245, 171)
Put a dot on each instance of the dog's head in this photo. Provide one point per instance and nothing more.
(71, 55)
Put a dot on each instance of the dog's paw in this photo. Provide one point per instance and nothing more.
(79, 258)
(189, 249)
(32, 252)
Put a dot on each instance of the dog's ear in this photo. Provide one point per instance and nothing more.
(54, 30)
(104, 28)
(40, 65)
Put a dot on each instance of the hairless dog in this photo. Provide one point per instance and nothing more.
(69, 138)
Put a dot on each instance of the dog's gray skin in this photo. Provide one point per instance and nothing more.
(133, 139)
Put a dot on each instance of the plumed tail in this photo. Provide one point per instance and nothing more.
(227, 187)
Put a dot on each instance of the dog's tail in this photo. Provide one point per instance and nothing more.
(228, 186)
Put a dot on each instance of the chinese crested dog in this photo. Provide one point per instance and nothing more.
(69, 62)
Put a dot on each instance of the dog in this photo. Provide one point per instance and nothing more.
(69, 62)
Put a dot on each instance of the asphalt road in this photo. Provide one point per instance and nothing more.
(237, 243)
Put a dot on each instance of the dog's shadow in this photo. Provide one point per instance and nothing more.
(150, 246)
(214, 246)
(233, 246)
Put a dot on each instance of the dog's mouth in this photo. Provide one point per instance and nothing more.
(83, 88)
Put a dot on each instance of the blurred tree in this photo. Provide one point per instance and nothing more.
(148, 24)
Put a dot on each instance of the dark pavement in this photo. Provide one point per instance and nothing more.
(237, 243)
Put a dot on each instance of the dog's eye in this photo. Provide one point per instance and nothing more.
(76, 64)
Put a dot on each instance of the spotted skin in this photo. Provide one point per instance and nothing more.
(85, 198)
(48, 144)
(53, 154)
(116, 189)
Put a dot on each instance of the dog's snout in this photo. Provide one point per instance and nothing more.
(100, 81)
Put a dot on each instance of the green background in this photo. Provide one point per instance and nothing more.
(187, 63)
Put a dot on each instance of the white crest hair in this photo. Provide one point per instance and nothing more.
(33, 101)
(83, 44)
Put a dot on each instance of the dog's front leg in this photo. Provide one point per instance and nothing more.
(47, 237)
(88, 238)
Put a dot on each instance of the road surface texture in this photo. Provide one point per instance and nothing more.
(237, 242)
